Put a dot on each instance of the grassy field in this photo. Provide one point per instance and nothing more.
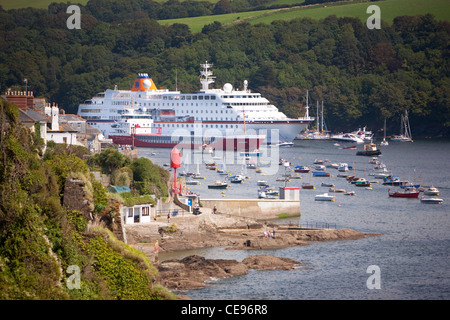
(41, 4)
(389, 10)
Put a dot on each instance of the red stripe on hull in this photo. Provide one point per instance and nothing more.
(238, 144)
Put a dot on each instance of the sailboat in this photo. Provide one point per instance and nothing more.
(320, 133)
(197, 174)
(405, 135)
(308, 185)
(223, 169)
(384, 142)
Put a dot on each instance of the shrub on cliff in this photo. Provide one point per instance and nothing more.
(40, 239)
(149, 178)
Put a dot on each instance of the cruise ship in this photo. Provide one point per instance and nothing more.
(225, 118)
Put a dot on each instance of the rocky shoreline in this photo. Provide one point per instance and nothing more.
(209, 230)
(194, 271)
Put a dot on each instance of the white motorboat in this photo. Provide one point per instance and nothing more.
(343, 167)
(384, 142)
(262, 183)
(337, 190)
(285, 144)
(432, 200)
(347, 137)
(431, 191)
(192, 182)
(320, 167)
(324, 197)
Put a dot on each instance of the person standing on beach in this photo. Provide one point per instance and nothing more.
(214, 210)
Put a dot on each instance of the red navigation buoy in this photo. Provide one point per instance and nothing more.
(175, 162)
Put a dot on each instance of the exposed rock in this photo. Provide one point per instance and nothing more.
(265, 262)
(194, 271)
(195, 232)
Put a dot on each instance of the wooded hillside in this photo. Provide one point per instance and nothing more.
(363, 76)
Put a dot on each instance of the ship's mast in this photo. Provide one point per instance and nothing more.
(206, 77)
(307, 106)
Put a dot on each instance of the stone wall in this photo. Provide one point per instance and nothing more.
(253, 208)
(77, 196)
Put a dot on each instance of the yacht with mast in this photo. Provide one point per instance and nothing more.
(225, 118)
(405, 130)
(320, 133)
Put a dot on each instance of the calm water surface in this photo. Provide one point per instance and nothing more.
(412, 253)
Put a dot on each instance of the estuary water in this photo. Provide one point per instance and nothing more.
(411, 254)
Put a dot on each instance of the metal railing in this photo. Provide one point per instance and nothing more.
(318, 225)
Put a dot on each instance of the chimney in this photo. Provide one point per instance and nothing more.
(55, 118)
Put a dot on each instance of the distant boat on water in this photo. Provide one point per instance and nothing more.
(384, 142)
(324, 197)
(405, 130)
(433, 200)
(370, 149)
(218, 185)
(321, 133)
(407, 193)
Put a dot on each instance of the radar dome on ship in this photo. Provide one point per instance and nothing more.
(147, 83)
(228, 87)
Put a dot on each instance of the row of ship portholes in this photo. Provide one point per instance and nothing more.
(172, 125)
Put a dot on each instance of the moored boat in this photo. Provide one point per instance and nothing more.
(370, 149)
(394, 181)
(255, 153)
(218, 185)
(405, 129)
(324, 197)
(302, 169)
(337, 190)
(431, 191)
(320, 167)
(362, 182)
(262, 183)
(321, 174)
(285, 144)
(192, 182)
(432, 200)
(347, 137)
(407, 193)
(329, 185)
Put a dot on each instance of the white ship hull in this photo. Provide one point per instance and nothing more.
(170, 115)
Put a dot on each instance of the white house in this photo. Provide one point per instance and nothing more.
(138, 214)
(59, 132)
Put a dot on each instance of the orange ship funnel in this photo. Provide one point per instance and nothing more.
(143, 83)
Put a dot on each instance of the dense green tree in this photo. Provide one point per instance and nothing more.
(222, 7)
(337, 59)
